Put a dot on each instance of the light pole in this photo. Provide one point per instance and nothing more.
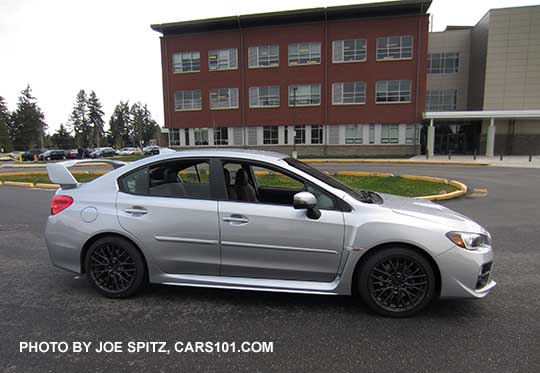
(294, 153)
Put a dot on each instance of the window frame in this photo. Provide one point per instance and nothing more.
(439, 94)
(342, 41)
(310, 85)
(310, 62)
(201, 130)
(443, 58)
(181, 63)
(224, 140)
(400, 58)
(355, 139)
(215, 189)
(334, 84)
(229, 97)
(217, 51)
(183, 91)
(302, 130)
(319, 128)
(272, 138)
(377, 102)
(269, 87)
(269, 57)
(389, 140)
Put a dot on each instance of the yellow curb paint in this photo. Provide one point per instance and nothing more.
(362, 173)
(19, 183)
(46, 186)
(425, 178)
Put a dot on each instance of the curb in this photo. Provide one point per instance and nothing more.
(462, 188)
(44, 165)
(398, 161)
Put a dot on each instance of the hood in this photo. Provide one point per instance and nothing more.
(433, 212)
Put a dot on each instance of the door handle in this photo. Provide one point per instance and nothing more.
(235, 219)
(137, 210)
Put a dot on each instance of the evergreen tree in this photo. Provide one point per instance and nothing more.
(120, 124)
(142, 125)
(95, 117)
(5, 118)
(27, 126)
(79, 123)
(62, 139)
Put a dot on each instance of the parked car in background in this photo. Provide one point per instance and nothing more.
(151, 150)
(129, 151)
(52, 155)
(30, 154)
(103, 152)
(72, 154)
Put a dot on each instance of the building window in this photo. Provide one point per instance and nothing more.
(286, 135)
(187, 62)
(441, 100)
(264, 56)
(187, 100)
(264, 96)
(174, 137)
(270, 135)
(394, 48)
(353, 134)
(305, 95)
(317, 134)
(443, 63)
(224, 98)
(223, 59)
(187, 136)
(304, 53)
(349, 93)
(353, 50)
(201, 136)
(299, 134)
(393, 91)
(221, 136)
(390, 134)
(411, 134)
(372, 134)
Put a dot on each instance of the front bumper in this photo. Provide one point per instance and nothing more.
(466, 273)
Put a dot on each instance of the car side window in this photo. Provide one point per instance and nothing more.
(186, 178)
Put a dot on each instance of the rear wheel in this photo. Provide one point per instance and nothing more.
(396, 282)
(115, 267)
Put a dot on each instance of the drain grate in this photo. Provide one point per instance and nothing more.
(13, 227)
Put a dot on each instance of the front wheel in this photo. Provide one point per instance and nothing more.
(115, 267)
(396, 282)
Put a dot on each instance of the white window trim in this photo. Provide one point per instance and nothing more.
(305, 64)
(174, 99)
(226, 68)
(303, 105)
(351, 103)
(264, 67)
(266, 106)
(357, 61)
(444, 73)
(223, 108)
(388, 59)
(396, 102)
(186, 72)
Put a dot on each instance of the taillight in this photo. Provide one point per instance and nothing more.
(60, 203)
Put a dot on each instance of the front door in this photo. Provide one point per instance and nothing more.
(263, 236)
(169, 207)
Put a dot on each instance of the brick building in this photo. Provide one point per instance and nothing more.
(347, 80)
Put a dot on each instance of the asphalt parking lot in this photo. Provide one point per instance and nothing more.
(310, 333)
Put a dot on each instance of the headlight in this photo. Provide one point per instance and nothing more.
(469, 241)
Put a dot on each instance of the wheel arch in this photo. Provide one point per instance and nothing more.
(371, 251)
(98, 236)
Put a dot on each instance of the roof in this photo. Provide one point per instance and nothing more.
(389, 8)
(496, 114)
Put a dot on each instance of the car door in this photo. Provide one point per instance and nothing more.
(170, 208)
(270, 239)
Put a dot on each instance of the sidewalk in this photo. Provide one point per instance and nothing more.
(507, 161)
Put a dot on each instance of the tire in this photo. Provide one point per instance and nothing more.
(396, 282)
(115, 267)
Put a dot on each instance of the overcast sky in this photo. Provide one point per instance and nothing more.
(62, 46)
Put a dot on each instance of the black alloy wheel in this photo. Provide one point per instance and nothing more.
(397, 282)
(115, 267)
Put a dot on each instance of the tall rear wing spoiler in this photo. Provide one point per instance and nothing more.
(59, 173)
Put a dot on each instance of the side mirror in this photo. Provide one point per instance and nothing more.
(307, 201)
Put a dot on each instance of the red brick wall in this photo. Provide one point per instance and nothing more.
(369, 71)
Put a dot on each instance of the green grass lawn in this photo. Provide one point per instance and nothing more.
(391, 185)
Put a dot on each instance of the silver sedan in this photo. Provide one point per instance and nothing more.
(255, 220)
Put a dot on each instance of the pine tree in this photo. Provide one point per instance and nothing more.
(78, 121)
(62, 139)
(119, 124)
(142, 125)
(5, 118)
(27, 126)
(95, 117)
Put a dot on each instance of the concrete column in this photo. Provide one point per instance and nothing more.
(490, 143)
(430, 139)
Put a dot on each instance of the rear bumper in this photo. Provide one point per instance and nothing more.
(64, 249)
(466, 273)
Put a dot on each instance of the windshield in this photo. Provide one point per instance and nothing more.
(361, 195)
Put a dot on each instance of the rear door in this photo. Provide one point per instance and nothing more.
(169, 206)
